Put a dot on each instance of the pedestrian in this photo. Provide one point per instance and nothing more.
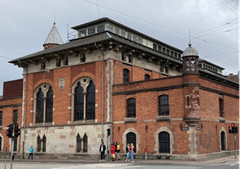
(113, 152)
(117, 150)
(102, 151)
(31, 151)
(128, 148)
(132, 152)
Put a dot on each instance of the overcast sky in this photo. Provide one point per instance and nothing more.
(25, 24)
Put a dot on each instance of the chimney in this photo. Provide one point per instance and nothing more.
(230, 74)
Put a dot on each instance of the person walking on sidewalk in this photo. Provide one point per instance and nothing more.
(117, 150)
(102, 151)
(31, 151)
(128, 148)
(113, 152)
(132, 152)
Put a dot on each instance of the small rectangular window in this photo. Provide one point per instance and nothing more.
(82, 58)
(163, 50)
(91, 30)
(58, 62)
(82, 33)
(154, 46)
(159, 48)
(66, 61)
(123, 56)
(1, 118)
(123, 33)
(134, 38)
(43, 65)
(129, 36)
(140, 40)
(110, 28)
(117, 30)
(100, 28)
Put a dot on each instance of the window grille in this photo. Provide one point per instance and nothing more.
(131, 107)
(163, 105)
(164, 142)
(125, 75)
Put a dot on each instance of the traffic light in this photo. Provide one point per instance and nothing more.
(233, 126)
(17, 131)
(108, 132)
(10, 130)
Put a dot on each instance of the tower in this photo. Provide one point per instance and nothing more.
(53, 39)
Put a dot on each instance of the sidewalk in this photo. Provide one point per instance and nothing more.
(137, 161)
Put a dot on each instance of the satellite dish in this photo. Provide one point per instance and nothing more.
(239, 74)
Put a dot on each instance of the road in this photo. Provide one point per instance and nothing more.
(54, 165)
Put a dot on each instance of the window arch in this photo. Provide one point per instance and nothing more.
(164, 142)
(146, 77)
(126, 77)
(131, 138)
(83, 99)
(44, 143)
(223, 142)
(38, 143)
(131, 107)
(163, 105)
(43, 104)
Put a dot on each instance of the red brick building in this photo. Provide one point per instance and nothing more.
(165, 101)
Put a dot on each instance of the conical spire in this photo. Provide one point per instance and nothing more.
(53, 38)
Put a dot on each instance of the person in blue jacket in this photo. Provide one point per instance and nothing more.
(31, 151)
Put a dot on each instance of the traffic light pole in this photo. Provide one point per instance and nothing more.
(11, 158)
(235, 145)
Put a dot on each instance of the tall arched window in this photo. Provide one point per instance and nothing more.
(49, 107)
(131, 107)
(164, 142)
(39, 106)
(221, 107)
(83, 99)
(131, 138)
(163, 105)
(85, 143)
(126, 76)
(15, 117)
(91, 101)
(44, 104)
(78, 102)
(223, 146)
(78, 138)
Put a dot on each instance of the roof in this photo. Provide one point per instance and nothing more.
(96, 38)
(190, 51)
(53, 36)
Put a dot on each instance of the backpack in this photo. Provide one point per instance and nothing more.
(118, 147)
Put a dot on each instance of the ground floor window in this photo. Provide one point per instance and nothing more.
(131, 138)
(223, 147)
(164, 142)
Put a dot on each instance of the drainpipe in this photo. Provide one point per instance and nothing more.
(24, 108)
(102, 86)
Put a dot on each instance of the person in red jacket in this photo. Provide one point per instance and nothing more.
(113, 152)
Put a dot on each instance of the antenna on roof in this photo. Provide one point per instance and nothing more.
(189, 44)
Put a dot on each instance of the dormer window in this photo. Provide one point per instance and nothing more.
(123, 33)
(82, 33)
(43, 65)
(91, 31)
(58, 62)
(110, 28)
(100, 28)
(129, 36)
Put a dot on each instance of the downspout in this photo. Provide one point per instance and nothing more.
(102, 86)
(24, 110)
(164, 65)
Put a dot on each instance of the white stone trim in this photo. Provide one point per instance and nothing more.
(124, 138)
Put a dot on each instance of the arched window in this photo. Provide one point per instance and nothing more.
(44, 143)
(163, 105)
(91, 101)
(85, 143)
(126, 76)
(78, 138)
(15, 117)
(146, 77)
(78, 102)
(221, 107)
(1, 118)
(44, 104)
(38, 143)
(131, 138)
(223, 146)
(39, 106)
(84, 99)
(131, 107)
(164, 142)
(49, 106)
